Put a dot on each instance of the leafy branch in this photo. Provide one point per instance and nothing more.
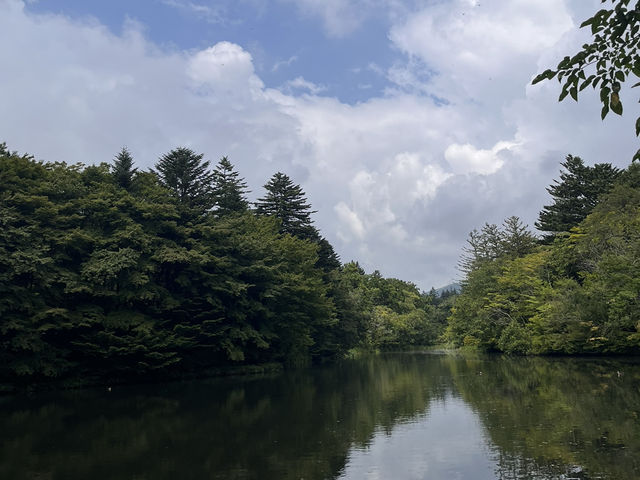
(605, 63)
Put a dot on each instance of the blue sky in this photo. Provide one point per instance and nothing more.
(407, 122)
(285, 41)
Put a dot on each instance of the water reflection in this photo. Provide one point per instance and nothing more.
(425, 448)
(397, 416)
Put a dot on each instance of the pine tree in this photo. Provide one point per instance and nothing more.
(286, 201)
(122, 170)
(229, 190)
(187, 177)
(574, 195)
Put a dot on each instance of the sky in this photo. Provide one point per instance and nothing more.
(408, 123)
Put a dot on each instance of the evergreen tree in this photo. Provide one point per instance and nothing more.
(122, 170)
(187, 177)
(574, 195)
(229, 190)
(517, 240)
(286, 201)
(328, 259)
(5, 152)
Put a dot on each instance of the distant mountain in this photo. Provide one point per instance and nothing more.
(452, 286)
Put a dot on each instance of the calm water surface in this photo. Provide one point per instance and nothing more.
(396, 416)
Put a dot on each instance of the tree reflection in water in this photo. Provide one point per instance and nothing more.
(400, 415)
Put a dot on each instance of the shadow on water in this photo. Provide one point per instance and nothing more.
(538, 418)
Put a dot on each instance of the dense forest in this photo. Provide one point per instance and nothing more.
(575, 291)
(111, 273)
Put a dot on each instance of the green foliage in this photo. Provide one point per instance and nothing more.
(286, 201)
(100, 282)
(110, 274)
(386, 313)
(229, 190)
(575, 195)
(512, 239)
(607, 62)
(122, 170)
(578, 295)
(186, 176)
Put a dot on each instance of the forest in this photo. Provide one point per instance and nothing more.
(576, 290)
(110, 273)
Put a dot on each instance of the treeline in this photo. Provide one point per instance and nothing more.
(107, 271)
(577, 290)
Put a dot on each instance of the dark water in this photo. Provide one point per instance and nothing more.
(400, 416)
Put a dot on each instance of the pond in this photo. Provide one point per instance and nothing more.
(393, 416)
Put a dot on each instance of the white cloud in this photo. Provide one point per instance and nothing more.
(300, 83)
(466, 158)
(211, 13)
(350, 219)
(340, 17)
(398, 180)
(284, 63)
(476, 47)
(224, 70)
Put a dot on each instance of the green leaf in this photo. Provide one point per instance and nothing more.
(563, 94)
(539, 78)
(546, 75)
(587, 82)
(637, 126)
(620, 76)
(605, 110)
(636, 156)
(574, 93)
(565, 62)
(586, 23)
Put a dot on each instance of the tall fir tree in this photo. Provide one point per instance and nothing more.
(574, 195)
(122, 170)
(186, 175)
(229, 190)
(286, 201)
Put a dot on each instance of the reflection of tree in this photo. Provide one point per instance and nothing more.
(550, 417)
(544, 417)
(300, 425)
